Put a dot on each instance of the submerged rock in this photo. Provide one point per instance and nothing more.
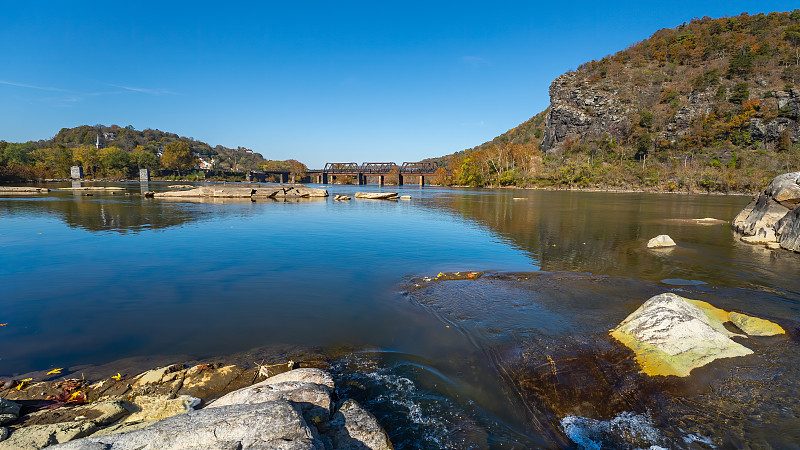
(671, 335)
(660, 241)
(341, 198)
(773, 215)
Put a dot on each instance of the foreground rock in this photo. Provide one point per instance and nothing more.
(660, 241)
(377, 195)
(251, 192)
(277, 424)
(773, 215)
(672, 335)
(154, 410)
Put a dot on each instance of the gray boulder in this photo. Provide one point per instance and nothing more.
(9, 411)
(354, 428)
(95, 416)
(301, 375)
(310, 396)
(276, 424)
(773, 215)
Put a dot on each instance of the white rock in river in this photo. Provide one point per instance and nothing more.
(659, 241)
(672, 335)
(377, 195)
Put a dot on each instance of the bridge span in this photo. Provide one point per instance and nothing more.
(377, 170)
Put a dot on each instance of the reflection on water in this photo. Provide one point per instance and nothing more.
(606, 233)
(458, 364)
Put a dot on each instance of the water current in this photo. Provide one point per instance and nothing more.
(518, 357)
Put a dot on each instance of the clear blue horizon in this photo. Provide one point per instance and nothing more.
(353, 81)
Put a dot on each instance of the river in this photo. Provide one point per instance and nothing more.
(93, 281)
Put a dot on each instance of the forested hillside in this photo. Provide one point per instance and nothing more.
(710, 105)
(123, 150)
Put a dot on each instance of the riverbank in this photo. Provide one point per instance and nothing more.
(181, 405)
(533, 188)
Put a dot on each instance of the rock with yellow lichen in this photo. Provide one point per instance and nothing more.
(671, 335)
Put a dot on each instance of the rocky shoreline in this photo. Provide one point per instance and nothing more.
(202, 406)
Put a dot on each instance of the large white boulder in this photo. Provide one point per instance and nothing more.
(671, 335)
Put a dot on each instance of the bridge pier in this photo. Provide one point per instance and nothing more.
(322, 178)
(380, 180)
(284, 178)
(399, 179)
(362, 179)
(421, 180)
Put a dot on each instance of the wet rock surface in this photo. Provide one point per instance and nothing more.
(773, 215)
(549, 346)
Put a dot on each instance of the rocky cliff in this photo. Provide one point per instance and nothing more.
(703, 83)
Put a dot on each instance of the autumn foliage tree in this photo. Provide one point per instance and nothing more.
(178, 156)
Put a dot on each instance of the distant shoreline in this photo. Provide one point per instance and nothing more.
(534, 188)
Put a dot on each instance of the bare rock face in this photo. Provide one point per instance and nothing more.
(774, 215)
(672, 335)
(580, 110)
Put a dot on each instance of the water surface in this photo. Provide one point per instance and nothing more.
(94, 279)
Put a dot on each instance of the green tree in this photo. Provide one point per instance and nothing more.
(739, 94)
(113, 161)
(87, 158)
(178, 156)
(469, 174)
(143, 159)
(645, 119)
(18, 154)
(792, 36)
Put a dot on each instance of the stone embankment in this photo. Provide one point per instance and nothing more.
(251, 192)
(159, 410)
(772, 218)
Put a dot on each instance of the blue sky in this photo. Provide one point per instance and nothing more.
(338, 81)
